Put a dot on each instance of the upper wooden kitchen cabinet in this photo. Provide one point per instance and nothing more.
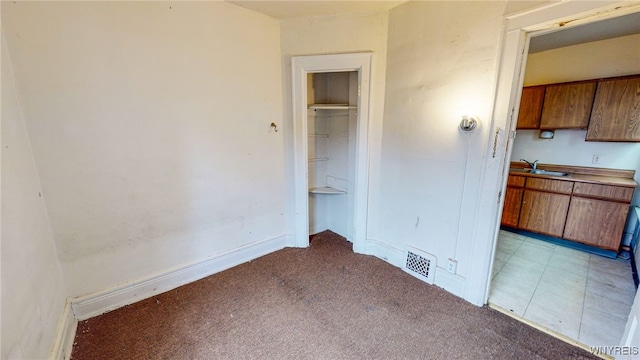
(616, 111)
(568, 105)
(530, 107)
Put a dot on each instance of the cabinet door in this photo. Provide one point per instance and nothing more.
(616, 111)
(567, 106)
(530, 107)
(544, 212)
(512, 204)
(596, 222)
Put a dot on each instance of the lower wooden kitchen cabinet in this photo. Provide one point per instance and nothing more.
(513, 200)
(544, 212)
(578, 208)
(544, 205)
(595, 222)
(512, 205)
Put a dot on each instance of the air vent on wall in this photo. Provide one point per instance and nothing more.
(420, 264)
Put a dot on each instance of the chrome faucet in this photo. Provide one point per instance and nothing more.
(533, 164)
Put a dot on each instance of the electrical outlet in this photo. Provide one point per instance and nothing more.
(452, 266)
(596, 159)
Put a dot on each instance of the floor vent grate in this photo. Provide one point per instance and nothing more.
(420, 265)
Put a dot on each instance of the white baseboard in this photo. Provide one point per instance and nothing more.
(65, 334)
(289, 240)
(385, 252)
(450, 282)
(98, 303)
(317, 228)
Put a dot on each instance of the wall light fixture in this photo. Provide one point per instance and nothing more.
(468, 123)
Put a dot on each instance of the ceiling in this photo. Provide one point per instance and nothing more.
(601, 30)
(309, 8)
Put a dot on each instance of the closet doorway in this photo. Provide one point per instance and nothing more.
(331, 152)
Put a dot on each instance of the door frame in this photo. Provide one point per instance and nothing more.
(519, 28)
(300, 67)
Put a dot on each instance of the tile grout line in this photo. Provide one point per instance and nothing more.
(521, 241)
(509, 259)
(584, 300)
(606, 299)
(538, 283)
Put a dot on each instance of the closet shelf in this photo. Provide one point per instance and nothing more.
(326, 190)
(331, 106)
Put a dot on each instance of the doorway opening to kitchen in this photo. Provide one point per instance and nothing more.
(541, 271)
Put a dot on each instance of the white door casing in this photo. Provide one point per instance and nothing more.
(300, 67)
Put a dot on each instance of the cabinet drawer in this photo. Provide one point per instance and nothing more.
(557, 186)
(516, 181)
(603, 191)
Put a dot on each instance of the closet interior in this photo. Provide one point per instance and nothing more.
(332, 99)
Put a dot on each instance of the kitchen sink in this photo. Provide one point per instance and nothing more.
(547, 172)
(540, 172)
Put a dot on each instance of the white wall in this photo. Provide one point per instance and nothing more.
(150, 124)
(33, 290)
(329, 35)
(599, 59)
(631, 336)
(442, 62)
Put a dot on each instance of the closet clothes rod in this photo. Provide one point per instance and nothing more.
(319, 159)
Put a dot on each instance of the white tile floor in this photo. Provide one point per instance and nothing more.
(585, 297)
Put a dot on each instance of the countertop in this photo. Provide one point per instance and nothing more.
(606, 178)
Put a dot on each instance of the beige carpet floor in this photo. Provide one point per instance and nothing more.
(322, 302)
